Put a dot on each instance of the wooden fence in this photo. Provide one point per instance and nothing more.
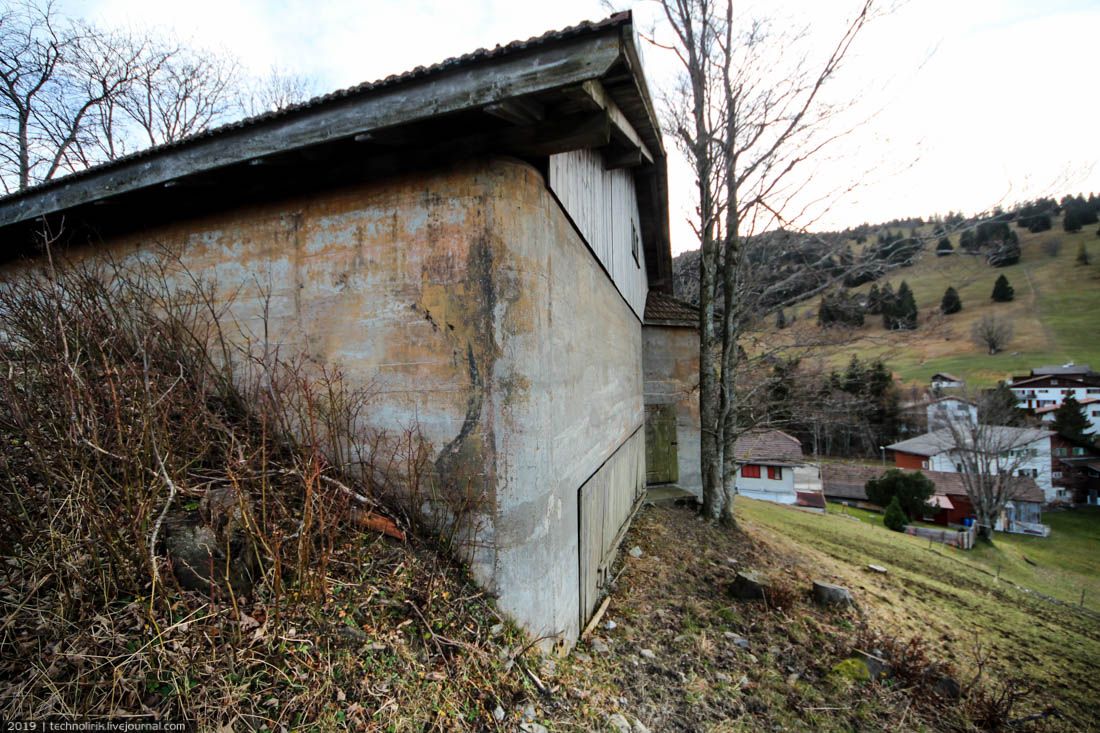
(960, 538)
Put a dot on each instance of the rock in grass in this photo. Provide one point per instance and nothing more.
(877, 569)
(618, 723)
(598, 645)
(748, 587)
(635, 551)
(828, 594)
(850, 671)
(648, 654)
(876, 666)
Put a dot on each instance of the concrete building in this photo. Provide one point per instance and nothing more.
(475, 241)
(670, 358)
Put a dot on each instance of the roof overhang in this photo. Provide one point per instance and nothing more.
(582, 87)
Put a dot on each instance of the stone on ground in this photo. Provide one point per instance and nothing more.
(635, 551)
(618, 723)
(828, 594)
(876, 569)
(748, 586)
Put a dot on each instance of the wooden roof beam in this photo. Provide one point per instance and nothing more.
(592, 95)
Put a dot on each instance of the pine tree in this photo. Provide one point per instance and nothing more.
(1002, 291)
(905, 310)
(894, 518)
(1071, 421)
(1083, 254)
(951, 302)
(781, 319)
(874, 300)
(943, 247)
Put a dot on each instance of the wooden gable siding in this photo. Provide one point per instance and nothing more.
(603, 205)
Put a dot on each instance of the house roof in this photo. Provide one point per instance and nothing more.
(947, 377)
(662, 309)
(998, 437)
(1063, 369)
(772, 447)
(579, 87)
(847, 481)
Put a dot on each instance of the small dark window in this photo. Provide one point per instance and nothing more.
(634, 243)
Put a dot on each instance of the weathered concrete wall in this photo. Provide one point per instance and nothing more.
(671, 368)
(467, 302)
(574, 381)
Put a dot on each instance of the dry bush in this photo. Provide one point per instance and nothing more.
(128, 412)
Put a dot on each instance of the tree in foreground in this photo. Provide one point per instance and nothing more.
(1071, 421)
(911, 490)
(992, 332)
(894, 517)
(951, 302)
(748, 140)
(1002, 291)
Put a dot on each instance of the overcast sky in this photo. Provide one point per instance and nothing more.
(970, 104)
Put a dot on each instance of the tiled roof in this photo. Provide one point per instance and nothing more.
(456, 62)
(946, 376)
(772, 447)
(664, 310)
(847, 481)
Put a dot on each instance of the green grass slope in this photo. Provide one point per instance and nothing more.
(1055, 315)
(950, 597)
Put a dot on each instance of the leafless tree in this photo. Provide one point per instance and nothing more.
(179, 92)
(992, 332)
(990, 457)
(277, 90)
(747, 132)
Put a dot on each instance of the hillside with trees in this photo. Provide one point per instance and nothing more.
(1023, 278)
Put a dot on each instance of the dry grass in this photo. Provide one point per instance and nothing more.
(127, 417)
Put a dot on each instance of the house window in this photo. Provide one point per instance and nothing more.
(634, 242)
(958, 468)
(1056, 474)
(750, 471)
(1078, 451)
(775, 473)
(1060, 452)
(1028, 472)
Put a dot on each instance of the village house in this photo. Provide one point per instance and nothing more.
(1027, 450)
(1049, 386)
(943, 380)
(1075, 470)
(476, 242)
(846, 484)
(929, 414)
(766, 462)
(1090, 406)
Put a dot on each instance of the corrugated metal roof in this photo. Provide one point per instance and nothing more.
(482, 54)
(997, 437)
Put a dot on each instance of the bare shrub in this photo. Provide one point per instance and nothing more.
(128, 411)
(992, 332)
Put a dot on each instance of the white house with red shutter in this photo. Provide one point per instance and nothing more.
(766, 462)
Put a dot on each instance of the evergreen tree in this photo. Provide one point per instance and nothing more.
(1071, 221)
(1083, 254)
(874, 300)
(944, 248)
(951, 302)
(911, 491)
(999, 406)
(1071, 421)
(1002, 291)
(902, 313)
(894, 518)
(780, 319)
(1005, 253)
(967, 241)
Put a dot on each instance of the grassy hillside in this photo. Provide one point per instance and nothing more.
(1054, 314)
(949, 596)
